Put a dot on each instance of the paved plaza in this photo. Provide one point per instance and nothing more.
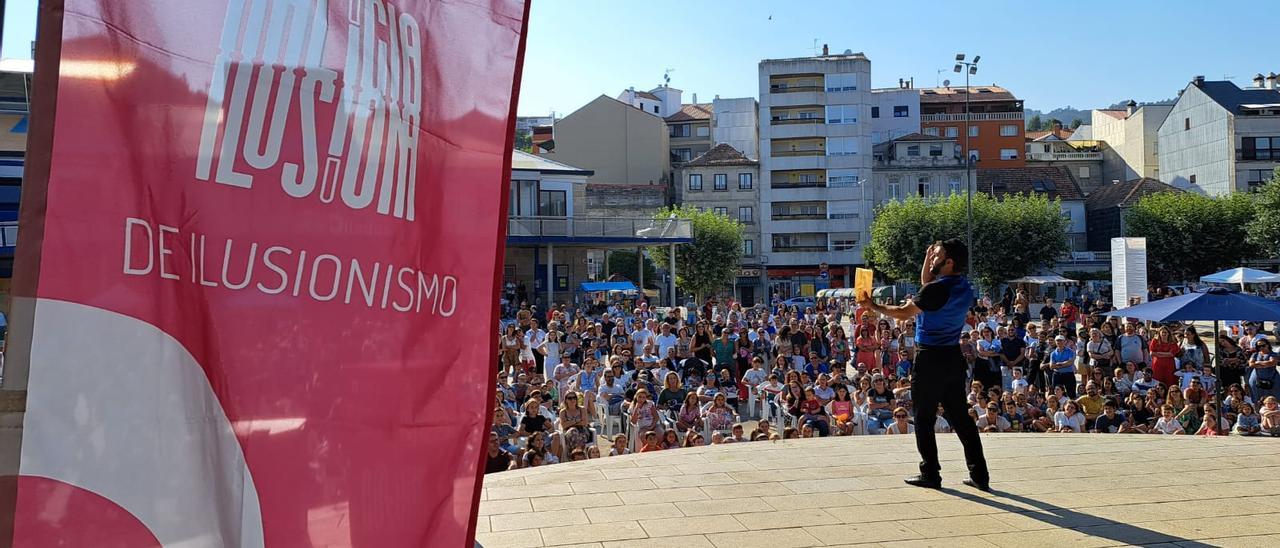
(1049, 490)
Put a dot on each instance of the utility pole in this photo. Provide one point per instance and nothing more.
(969, 68)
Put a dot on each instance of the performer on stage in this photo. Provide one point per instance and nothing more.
(944, 300)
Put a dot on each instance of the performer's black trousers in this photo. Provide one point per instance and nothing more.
(940, 378)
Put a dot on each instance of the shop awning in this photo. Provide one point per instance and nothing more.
(595, 287)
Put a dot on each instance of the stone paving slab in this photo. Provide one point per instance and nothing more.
(1076, 490)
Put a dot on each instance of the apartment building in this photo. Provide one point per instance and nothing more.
(726, 181)
(895, 112)
(814, 157)
(736, 122)
(1219, 138)
(690, 131)
(618, 142)
(1053, 182)
(917, 165)
(1058, 147)
(995, 124)
(1130, 136)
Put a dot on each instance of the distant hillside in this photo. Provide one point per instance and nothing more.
(1068, 113)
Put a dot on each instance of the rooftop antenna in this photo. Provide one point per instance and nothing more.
(666, 77)
(937, 76)
(1227, 77)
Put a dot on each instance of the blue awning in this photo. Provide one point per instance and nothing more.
(593, 287)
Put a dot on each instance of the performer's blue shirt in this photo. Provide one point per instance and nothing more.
(944, 304)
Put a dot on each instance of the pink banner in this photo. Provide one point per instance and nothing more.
(257, 266)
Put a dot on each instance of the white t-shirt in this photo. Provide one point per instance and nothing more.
(1170, 426)
(755, 376)
(941, 425)
(893, 427)
(665, 342)
(638, 340)
(1020, 386)
(1002, 423)
(1074, 422)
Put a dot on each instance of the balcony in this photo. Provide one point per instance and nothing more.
(797, 216)
(596, 229)
(798, 152)
(973, 117)
(801, 249)
(788, 88)
(791, 121)
(9, 234)
(924, 160)
(1062, 156)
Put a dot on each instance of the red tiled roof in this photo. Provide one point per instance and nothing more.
(692, 113)
(1061, 133)
(721, 155)
(1054, 181)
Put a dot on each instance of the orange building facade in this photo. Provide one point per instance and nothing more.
(997, 131)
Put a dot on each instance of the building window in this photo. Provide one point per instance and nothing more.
(807, 178)
(746, 215)
(953, 185)
(900, 111)
(1192, 178)
(875, 112)
(682, 154)
(953, 132)
(974, 156)
(935, 151)
(695, 181)
(720, 211)
(679, 130)
(703, 131)
(1084, 172)
(931, 131)
(913, 151)
(842, 178)
(1186, 124)
(973, 131)
(744, 181)
(552, 203)
(1008, 154)
(842, 114)
(655, 109)
(842, 82)
(895, 191)
(720, 182)
(1258, 177)
(844, 243)
(748, 248)
(1009, 130)
(842, 146)
(922, 186)
(1260, 148)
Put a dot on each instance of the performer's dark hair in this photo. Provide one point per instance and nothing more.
(958, 253)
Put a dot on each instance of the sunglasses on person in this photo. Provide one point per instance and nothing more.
(899, 416)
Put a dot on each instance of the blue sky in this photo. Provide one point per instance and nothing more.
(1082, 53)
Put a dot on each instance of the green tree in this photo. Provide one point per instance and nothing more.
(710, 262)
(1075, 123)
(524, 141)
(623, 263)
(1264, 230)
(1034, 123)
(1190, 235)
(1012, 237)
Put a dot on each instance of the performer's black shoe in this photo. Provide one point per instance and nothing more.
(921, 480)
(979, 485)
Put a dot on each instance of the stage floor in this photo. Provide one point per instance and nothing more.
(1050, 490)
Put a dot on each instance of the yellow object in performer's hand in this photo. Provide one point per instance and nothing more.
(862, 281)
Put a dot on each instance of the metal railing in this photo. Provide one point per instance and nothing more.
(797, 216)
(776, 88)
(975, 117)
(1057, 156)
(599, 227)
(8, 234)
(801, 249)
(786, 121)
(808, 152)
(797, 184)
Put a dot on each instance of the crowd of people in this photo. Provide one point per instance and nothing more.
(688, 376)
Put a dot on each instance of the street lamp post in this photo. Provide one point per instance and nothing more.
(969, 68)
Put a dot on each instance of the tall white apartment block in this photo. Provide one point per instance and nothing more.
(815, 156)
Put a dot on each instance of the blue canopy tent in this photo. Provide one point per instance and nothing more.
(596, 287)
(1215, 304)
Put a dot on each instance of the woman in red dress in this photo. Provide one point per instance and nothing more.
(1163, 349)
(867, 346)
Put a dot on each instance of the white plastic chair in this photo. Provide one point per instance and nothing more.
(611, 424)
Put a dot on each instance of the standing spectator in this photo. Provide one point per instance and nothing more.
(702, 344)
(1262, 372)
(1231, 360)
(986, 369)
(1194, 350)
(1048, 312)
(1163, 351)
(1100, 353)
(534, 342)
(1061, 364)
(1014, 355)
(1133, 348)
